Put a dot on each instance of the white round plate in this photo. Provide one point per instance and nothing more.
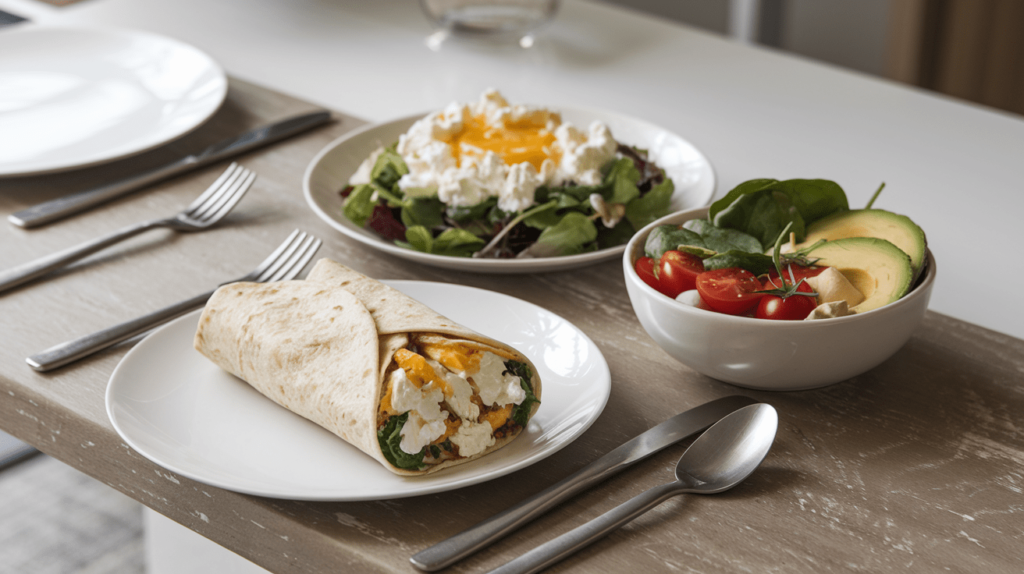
(74, 97)
(330, 170)
(184, 413)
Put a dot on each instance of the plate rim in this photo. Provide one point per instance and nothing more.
(113, 31)
(438, 487)
(559, 263)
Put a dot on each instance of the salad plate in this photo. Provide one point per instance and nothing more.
(181, 411)
(76, 97)
(328, 173)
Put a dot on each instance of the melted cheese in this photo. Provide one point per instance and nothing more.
(514, 141)
(419, 371)
(456, 357)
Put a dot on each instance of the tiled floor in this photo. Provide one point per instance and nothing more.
(56, 520)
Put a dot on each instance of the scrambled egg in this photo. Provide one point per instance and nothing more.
(459, 377)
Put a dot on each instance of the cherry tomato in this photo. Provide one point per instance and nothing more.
(730, 290)
(645, 269)
(792, 308)
(678, 271)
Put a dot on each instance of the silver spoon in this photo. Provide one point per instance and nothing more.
(718, 460)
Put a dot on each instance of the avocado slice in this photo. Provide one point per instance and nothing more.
(895, 228)
(878, 269)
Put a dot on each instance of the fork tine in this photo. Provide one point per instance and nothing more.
(296, 235)
(297, 262)
(271, 271)
(230, 172)
(220, 205)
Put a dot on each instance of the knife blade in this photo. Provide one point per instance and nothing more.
(675, 429)
(60, 208)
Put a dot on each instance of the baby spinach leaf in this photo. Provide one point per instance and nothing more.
(763, 215)
(618, 235)
(463, 214)
(359, 205)
(756, 263)
(390, 438)
(521, 412)
(651, 205)
(568, 236)
(669, 237)
(745, 188)
(456, 243)
(764, 207)
(722, 240)
(622, 177)
(543, 218)
(388, 169)
(418, 238)
(425, 211)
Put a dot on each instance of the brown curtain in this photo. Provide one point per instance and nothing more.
(970, 49)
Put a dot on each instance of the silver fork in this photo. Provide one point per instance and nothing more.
(208, 209)
(284, 263)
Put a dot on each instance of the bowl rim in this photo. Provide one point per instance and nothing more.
(922, 287)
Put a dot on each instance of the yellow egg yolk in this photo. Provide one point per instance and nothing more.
(514, 143)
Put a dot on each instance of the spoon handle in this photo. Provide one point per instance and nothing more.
(560, 548)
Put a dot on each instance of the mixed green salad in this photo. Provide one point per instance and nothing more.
(563, 220)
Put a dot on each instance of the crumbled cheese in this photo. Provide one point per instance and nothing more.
(426, 419)
(462, 392)
(611, 213)
(829, 310)
(832, 285)
(497, 387)
(473, 438)
(583, 154)
(433, 167)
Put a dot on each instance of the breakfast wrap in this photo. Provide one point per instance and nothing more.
(409, 387)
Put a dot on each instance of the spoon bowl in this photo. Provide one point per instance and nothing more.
(722, 457)
(725, 454)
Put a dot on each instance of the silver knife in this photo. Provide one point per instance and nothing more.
(675, 429)
(60, 208)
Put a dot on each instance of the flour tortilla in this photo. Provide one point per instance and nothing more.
(396, 314)
(321, 347)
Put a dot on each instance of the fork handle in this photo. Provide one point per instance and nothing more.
(567, 544)
(71, 351)
(29, 271)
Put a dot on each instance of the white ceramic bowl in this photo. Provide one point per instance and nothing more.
(771, 355)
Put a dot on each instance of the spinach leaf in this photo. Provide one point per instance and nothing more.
(543, 218)
(569, 235)
(359, 204)
(390, 438)
(756, 263)
(764, 207)
(388, 169)
(456, 243)
(425, 211)
(618, 235)
(463, 214)
(521, 412)
(651, 205)
(669, 237)
(418, 238)
(453, 241)
(622, 177)
(722, 240)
